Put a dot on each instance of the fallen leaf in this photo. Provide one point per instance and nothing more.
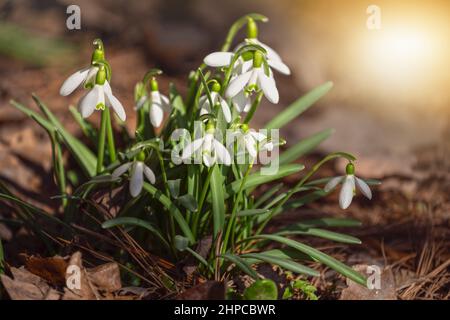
(51, 269)
(106, 277)
(210, 290)
(355, 291)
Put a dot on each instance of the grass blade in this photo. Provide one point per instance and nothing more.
(217, 200)
(319, 256)
(321, 233)
(241, 264)
(135, 222)
(299, 106)
(284, 263)
(304, 146)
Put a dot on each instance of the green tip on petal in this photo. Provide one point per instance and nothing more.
(210, 127)
(245, 127)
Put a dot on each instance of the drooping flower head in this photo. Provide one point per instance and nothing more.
(217, 100)
(249, 141)
(349, 184)
(158, 103)
(137, 170)
(212, 150)
(99, 97)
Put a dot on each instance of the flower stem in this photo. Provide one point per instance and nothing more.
(232, 220)
(202, 200)
(255, 105)
(110, 136)
(301, 183)
(101, 142)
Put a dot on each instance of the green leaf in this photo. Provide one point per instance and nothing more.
(321, 233)
(241, 264)
(170, 206)
(174, 187)
(304, 146)
(251, 212)
(200, 258)
(264, 289)
(218, 200)
(319, 256)
(283, 263)
(135, 222)
(268, 194)
(188, 202)
(256, 179)
(330, 222)
(299, 106)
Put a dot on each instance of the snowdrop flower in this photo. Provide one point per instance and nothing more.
(137, 170)
(205, 107)
(222, 59)
(212, 150)
(349, 184)
(85, 76)
(158, 104)
(99, 97)
(254, 79)
(249, 141)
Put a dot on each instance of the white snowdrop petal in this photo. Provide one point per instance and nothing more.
(149, 174)
(222, 153)
(137, 179)
(238, 84)
(115, 104)
(156, 114)
(279, 66)
(88, 103)
(208, 160)
(218, 59)
(191, 148)
(362, 185)
(165, 103)
(226, 110)
(268, 86)
(250, 145)
(140, 102)
(258, 136)
(271, 53)
(121, 170)
(240, 101)
(346, 194)
(73, 82)
(332, 183)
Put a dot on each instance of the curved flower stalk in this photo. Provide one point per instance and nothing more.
(205, 107)
(158, 103)
(99, 97)
(137, 170)
(349, 184)
(212, 150)
(255, 79)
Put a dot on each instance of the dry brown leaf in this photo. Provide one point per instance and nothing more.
(355, 291)
(106, 277)
(28, 286)
(51, 269)
(210, 290)
(86, 290)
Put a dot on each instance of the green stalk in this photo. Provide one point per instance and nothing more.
(201, 202)
(255, 105)
(232, 220)
(301, 183)
(2, 258)
(101, 142)
(60, 173)
(110, 136)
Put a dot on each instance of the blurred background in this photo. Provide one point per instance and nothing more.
(390, 104)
